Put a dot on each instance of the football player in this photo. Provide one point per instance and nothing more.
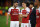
(25, 15)
(14, 12)
(38, 15)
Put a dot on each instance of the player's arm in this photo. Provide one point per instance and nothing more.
(7, 19)
(28, 11)
(19, 17)
(8, 16)
(24, 15)
(21, 14)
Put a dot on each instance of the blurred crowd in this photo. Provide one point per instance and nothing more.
(5, 4)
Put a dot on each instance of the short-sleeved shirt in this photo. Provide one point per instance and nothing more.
(15, 11)
(26, 11)
(38, 15)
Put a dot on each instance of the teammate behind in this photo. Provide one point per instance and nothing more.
(14, 12)
(38, 15)
(25, 14)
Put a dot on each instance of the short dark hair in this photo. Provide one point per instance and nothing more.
(25, 3)
(15, 2)
(32, 3)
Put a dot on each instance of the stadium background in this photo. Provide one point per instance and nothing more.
(4, 5)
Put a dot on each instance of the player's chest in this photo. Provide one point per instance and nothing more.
(24, 11)
(14, 10)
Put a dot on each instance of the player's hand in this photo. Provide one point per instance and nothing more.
(20, 15)
(7, 23)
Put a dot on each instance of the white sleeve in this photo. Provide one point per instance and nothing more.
(28, 11)
(9, 10)
(39, 10)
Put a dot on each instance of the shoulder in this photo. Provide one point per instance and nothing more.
(27, 9)
(11, 8)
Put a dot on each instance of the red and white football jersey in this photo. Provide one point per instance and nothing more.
(14, 13)
(24, 12)
(37, 16)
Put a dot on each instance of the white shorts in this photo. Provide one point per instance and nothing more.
(26, 24)
(14, 23)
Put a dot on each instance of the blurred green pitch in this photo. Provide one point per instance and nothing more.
(3, 21)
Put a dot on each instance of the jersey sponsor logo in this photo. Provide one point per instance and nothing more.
(15, 13)
(24, 11)
(15, 10)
